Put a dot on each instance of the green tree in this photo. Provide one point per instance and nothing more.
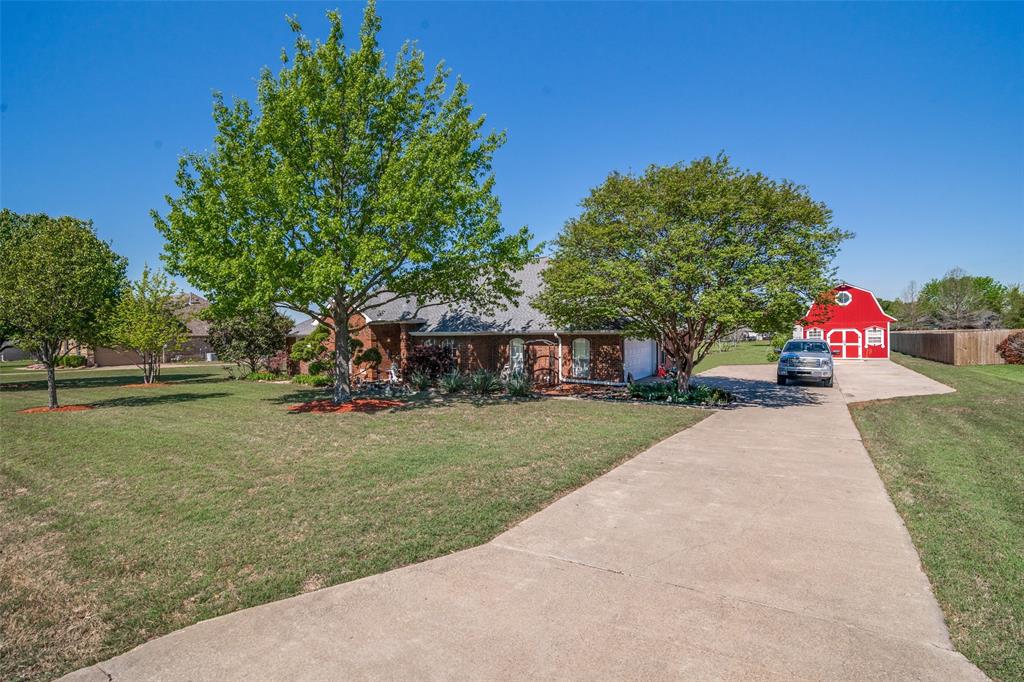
(147, 320)
(686, 254)
(1013, 318)
(250, 337)
(57, 283)
(346, 187)
(962, 301)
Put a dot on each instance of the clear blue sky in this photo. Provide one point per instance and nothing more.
(908, 120)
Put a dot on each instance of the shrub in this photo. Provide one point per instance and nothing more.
(698, 394)
(483, 382)
(420, 380)
(454, 381)
(518, 385)
(71, 361)
(312, 380)
(263, 376)
(1012, 348)
(778, 341)
(434, 361)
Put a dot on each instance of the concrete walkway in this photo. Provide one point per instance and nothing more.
(758, 544)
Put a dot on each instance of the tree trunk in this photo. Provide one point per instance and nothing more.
(684, 368)
(342, 380)
(150, 367)
(51, 384)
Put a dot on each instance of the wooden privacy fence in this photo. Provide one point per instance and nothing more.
(952, 346)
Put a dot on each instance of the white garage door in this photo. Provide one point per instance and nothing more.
(641, 358)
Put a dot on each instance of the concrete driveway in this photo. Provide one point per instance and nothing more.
(759, 544)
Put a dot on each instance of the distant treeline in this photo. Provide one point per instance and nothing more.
(958, 301)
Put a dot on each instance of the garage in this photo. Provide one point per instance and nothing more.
(640, 358)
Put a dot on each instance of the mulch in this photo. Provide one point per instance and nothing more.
(63, 408)
(594, 391)
(363, 405)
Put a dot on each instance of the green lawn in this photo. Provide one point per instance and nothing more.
(743, 353)
(165, 506)
(954, 466)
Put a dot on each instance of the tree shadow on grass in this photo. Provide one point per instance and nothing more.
(83, 381)
(156, 399)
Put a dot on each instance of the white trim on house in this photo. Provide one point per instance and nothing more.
(814, 330)
(874, 330)
(859, 343)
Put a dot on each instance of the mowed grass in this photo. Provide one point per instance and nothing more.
(954, 466)
(743, 353)
(165, 506)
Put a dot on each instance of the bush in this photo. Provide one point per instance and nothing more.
(420, 380)
(433, 361)
(698, 394)
(71, 361)
(1012, 348)
(483, 382)
(518, 385)
(263, 376)
(312, 380)
(778, 341)
(454, 381)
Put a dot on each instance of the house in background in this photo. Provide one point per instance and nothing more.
(196, 347)
(855, 327)
(517, 339)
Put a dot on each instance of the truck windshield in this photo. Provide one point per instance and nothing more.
(806, 347)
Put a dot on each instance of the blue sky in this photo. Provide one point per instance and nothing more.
(906, 119)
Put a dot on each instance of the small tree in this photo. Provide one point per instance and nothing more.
(147, 320)
(249, 338)
(57, 283)
(347, 187)
(686, 254)
(316, 350)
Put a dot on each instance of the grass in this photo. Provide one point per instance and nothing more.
(742, 353)
(165, 506)
(954, 467)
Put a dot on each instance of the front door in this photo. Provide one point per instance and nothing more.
(542, 364)
(846, 341)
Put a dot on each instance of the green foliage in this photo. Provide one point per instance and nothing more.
(454, 381)
(312, 380)
(345, 183)
(695, 394)
(778, 341)
(518, 385)
(962, 301)
(483, 382)
(420, 380)
(71, 361)
(147, 321)
(687, 253)
(248, 337)
(57, 283)
(1013, 317)
(264, 376)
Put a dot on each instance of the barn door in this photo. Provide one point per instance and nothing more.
(542, 364)
(846, 342)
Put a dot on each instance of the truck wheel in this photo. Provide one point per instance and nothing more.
(827, 383)
(782, 381)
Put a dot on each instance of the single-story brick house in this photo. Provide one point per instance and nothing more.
(518, 338)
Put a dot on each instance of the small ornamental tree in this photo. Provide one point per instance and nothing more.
(347, 186)
(147, 320)
(58, 281)
(249, 338)
(686, 254)
(315, 350)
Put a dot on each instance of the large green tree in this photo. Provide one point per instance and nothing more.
(686, 254)
(249, 337)
(147, 320)
(58, 281)
(959, 300)
(347, 186)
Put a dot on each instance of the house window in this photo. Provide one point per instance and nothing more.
(581, 358)
(815, 334)
(844, 298)
(874, 336)
(517, 355)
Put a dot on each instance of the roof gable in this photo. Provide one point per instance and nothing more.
(863, 307)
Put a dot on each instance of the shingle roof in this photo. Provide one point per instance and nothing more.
(191, 306)
(304, 328)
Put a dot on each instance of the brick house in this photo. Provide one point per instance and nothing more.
(195, 347)
(518, 338)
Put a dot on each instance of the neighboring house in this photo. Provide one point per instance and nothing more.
(855, 327)
(518, 338)
(195, 347)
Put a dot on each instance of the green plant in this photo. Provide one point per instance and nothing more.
(454, 381)
(518, 385)
(248, 337)
(778, 341)
(420, 380)
(263, 376)
(696, 394)
(312, 380)
(483, 382)
(71, 361)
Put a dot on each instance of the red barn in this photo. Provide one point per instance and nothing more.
(855, 327)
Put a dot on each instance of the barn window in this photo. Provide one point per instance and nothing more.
(581, 358)
(517, 355)
(815, 334)
(874, 336)
(844, 298)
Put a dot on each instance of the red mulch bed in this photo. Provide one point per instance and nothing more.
(364, 405)
(65, 408)
(152, 385)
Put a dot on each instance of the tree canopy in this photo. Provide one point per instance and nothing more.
(147, 320)
(962, 301)
(348, 185)
(249, 337)
(686, 254)
(57, 284)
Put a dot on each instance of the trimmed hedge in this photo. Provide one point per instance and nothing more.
(312, 380)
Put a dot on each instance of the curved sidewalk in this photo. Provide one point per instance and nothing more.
(758, 544)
